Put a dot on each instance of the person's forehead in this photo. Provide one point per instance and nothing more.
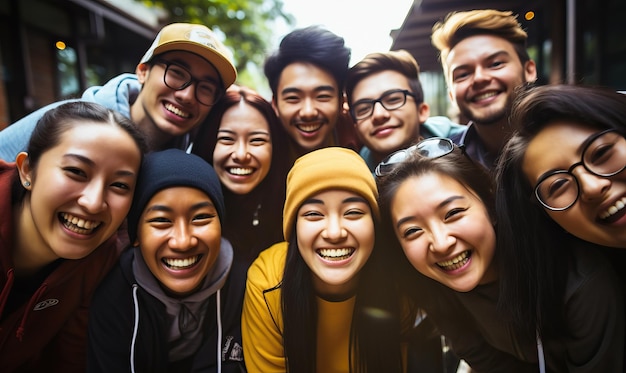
(478, 47)
(378, 83)
(195, 63)
(542, 155)
(303, 74)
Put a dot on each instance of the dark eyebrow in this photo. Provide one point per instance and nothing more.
(179, 62)
(91, 163)
(202, 204)
(440, 205)
(315, 201)
(163, 208)
(449, 200)
(184, 64)
(498, 54)
(393, 90)
(166, 208)
(256, 132)
(325, 88)
(80, 158)
(321, 88)
(355, 199)
(579, 151)
(490, 57)
(586, 143)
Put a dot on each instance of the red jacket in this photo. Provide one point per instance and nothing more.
(49, 332)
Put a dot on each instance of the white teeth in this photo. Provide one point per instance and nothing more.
(78, 225)
(309, 127)
(181, 263)
(613, 209)
(336, 254)
(456, 262)
(240, 171)
(484, 96)
(176, 111)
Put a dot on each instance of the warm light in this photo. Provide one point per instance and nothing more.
(60, 45)
(529, 15)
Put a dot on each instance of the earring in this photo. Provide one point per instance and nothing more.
(26, 183)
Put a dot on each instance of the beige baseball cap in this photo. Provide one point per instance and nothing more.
(197, 39)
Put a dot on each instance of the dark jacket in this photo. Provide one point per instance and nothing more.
(117, 344)
(47, 331)
(593, 315)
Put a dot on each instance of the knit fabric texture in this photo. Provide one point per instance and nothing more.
(172, 168)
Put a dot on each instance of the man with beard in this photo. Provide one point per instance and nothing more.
(306, 75)
(484, 59)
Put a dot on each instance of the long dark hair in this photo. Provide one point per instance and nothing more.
(264, 204)
(417, 287)
(60, 119)
(375, 330)
(534, 248)
(205, 139)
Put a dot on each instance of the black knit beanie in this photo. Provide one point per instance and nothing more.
(172, 168)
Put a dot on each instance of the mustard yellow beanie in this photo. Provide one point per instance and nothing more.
(323, 169)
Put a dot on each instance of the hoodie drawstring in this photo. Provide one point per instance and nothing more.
(29, 307)
(6, 290)
(540, 355)
(135, 327)
(219, 332)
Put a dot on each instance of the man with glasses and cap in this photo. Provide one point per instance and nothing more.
(387, 105)
(180, 77)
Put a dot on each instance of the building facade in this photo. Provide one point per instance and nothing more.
(572, 41)
(54, 49)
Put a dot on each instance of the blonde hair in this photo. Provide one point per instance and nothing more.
(459, 25)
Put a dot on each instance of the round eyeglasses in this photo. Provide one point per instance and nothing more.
(391, 100)
(603, 155)
(178, 78)
(433, 147)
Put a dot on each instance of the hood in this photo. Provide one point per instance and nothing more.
(116, 94)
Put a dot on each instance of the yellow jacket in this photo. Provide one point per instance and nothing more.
(262, 321)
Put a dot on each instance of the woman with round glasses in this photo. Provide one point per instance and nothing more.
(439, 205)
(567, 157)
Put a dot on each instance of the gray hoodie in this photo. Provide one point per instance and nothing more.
(186, 316)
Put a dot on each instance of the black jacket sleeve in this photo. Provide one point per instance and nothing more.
(110, 328)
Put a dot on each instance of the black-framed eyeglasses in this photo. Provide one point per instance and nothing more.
(391, 100)
(603, 155)
(176, 77)
(433, 147)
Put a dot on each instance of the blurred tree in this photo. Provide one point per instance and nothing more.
(245, 24)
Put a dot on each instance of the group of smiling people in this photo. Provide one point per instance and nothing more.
(120, 256)
(520, 270)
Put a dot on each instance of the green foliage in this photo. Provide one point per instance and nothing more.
(245, 24)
